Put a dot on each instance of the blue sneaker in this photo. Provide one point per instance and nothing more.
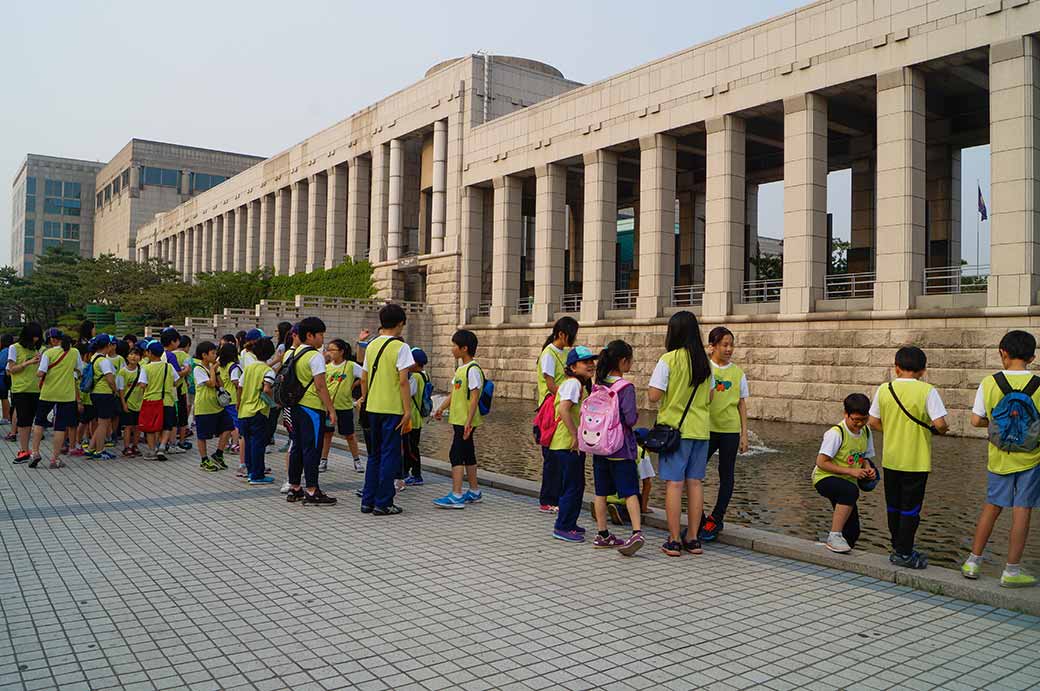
(105, 455)
(413, 481)
(450, 501)
(569, 535)
(471, 497)
(266, 480)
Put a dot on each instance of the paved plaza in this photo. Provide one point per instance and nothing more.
(155, 576)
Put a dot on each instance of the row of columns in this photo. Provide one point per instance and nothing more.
(315, 221)
(889, 202)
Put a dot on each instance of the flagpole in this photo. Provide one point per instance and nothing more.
(978, 215)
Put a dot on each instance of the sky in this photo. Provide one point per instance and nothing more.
(83, 78)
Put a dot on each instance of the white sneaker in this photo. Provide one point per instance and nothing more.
(357, 466)
(323, 465)
(173, 448)
(836, 542)
(285, 488)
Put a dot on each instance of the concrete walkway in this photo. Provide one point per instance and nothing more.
(142, 576)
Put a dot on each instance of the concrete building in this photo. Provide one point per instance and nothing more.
(494, 189)
(146, 178)
(51, 207)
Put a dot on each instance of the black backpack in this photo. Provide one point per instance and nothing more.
(287, 390)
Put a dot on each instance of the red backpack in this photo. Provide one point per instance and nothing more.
(545, 420)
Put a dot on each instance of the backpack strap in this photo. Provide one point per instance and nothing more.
(1003, 384)
(482, 377)
(1032, 386)
(375, 364)
(841, 434)
(892, 390)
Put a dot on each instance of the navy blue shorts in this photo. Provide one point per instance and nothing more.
(129, 418)
(345, 422)
(169, 417)
(105, 406)
(89, 414)
(619, 477)
(213, 425)
(66, 414)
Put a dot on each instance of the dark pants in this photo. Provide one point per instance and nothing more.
(550, 492)
(727, 444)
(572, 470)
(384, 460)
(272, 424)
(904, 496)
(305, 451)
(254, 441)
(412, 461)
(840, 491)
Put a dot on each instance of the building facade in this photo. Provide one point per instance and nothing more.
(146, 178)
(494, 190)
(51, 207)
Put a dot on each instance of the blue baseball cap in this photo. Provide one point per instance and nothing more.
(579, 353)
(255, 334)
(101, 341)
(155, 348)
(53, 332)
(419, 355)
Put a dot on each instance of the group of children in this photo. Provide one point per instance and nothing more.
(701, 410)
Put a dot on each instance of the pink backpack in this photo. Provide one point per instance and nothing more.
(545, 421)
(599, 429)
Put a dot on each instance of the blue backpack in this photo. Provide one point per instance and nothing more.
(86, 382)
(487, 391)
(426, 406)
(1014, 423)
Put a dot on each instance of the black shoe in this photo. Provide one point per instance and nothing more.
(35, 461)
(914, 560)
(319, 498)
(295, 495)
(391, 510)
(366, 509)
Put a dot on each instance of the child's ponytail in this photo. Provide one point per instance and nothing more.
(610, 359)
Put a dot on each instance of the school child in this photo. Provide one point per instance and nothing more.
(6, 341)
(23, 357)
(385, 401)
(646, 479)
(231, 377)
(341, 372)
(118, 359)
(58, 392)
(211, 419)
(1013, 477)
(246, 356)
(132, 380)
(187, 387)
(580, 371)
(158, 416)
(683, 385)
(308, 416)
(417, 381)
(255, 389)
(81, 442)
(618, 473)
(728, 425)
(551, 365)
(909, 411)
(840, 464)
(102, 395)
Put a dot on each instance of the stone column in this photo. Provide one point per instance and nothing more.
(317, 196)
(656, 225)
(184, 186)
(943, 195)
(237, 256)
(380, 200)
(282, 212)
(188, 272)
(805, 203)
(267, 234)
(600, 234)
(699, 219)
(550, 239)
(395, 218)
(182, 251)
(440, 185)
(900, 188)
(861, 240)
(298, 227)
(253, 234)
(505, 276)
(207, 245)
(724, 212)
(359, 197)
(336, 216)
(1014, 206)
(472, 248)
(217, 247)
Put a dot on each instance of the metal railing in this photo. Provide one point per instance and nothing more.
(525, 305)
(625, 299)
(688, 296)
(571, 303)
(484, 309)
(944, 280)
(765, 290)
(847, 286)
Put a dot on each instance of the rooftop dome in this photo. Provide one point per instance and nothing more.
(525, 63)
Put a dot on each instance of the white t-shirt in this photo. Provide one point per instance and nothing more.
(235, 373)
(832, 442)
(979, 407)
(404, 357)
(570, 390)
(934, 403)
(413, 385)
(246, 358)
(45, 361)
(659, 378)
(12, 355)
(201, 375)
(121, 383)
(549, 361)
(317, 363)
(744, 391)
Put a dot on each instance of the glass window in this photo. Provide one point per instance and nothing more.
(71, 231)
(170, 178)
(72, 190)
(27, 268)
(72, 207)
(30, 228)
(30, 185)
(108, 193)
(100, 199)
(51, 243)
(51, 206)
(30, 204)
(115, 186)
(51, 229)
(152, 176)
(52, 188)
(126, 177)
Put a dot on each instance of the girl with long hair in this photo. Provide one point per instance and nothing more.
(551, 366)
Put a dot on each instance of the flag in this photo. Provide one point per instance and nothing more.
(982, 206)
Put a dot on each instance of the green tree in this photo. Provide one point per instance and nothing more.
(840, 256)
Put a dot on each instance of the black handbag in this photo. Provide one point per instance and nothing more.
(665, 439)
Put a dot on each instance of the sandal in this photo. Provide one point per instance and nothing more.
(57, 463)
